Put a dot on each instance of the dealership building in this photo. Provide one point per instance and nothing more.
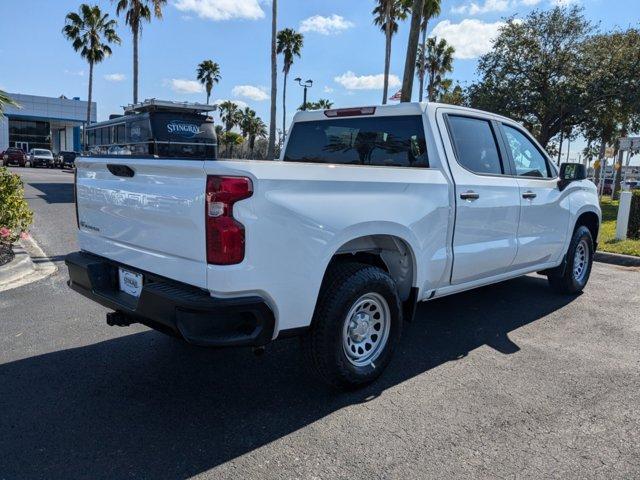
(44, 122)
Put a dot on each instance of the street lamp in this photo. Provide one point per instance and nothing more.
(307, 84)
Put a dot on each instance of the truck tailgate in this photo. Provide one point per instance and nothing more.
(152, 220)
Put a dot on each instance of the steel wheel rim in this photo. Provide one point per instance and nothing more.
(366, 329)
(580, 261)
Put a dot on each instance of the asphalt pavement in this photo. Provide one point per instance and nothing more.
(508, 381)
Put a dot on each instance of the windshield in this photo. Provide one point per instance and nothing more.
(42, 152)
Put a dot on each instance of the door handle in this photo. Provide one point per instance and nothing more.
(470, 195)
(529, 195)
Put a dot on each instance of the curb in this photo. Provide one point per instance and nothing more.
(29, 265)
(617, 259)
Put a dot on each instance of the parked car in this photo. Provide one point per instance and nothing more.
(40, 157)
(14, 156)
(66, 159)
(369, 211)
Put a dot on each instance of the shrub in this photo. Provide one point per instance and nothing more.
(15, 215)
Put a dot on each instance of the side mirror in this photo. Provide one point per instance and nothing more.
(571, 172)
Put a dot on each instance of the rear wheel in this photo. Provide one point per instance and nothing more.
(356, 325)
(575, 274)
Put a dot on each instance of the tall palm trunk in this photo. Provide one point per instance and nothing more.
(135, 65)
(412, 50)
(387, 53)
(90, 97)
(424, 58)
(274, 80)
(284, 105)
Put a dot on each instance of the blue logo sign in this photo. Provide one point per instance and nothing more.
(186, 130)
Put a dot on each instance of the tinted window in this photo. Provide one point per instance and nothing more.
(384, 141)
(528, 159)
(475, 145)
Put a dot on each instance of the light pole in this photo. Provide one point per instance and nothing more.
(307, 84)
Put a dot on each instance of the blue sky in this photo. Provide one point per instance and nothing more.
(343, 51)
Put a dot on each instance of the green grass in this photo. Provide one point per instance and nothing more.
(608, 242)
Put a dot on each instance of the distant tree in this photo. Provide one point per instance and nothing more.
(322, 104)
(230, 114)
(5, 99)
(290, 45)
(439, 62)
(91, 32)
(430, 10)
(255, 129)
(136, 12)
(535, 71)
(208, 73)
(387, 14)
(450, 96)
(248, 114)
(232, 139)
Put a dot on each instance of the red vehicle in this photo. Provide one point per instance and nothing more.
(14, 156)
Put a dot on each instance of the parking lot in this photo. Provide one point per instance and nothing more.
(510, 381)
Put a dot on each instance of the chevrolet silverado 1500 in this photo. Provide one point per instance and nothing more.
(367, 212)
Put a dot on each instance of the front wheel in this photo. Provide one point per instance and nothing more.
(574, 276)
(356, 325)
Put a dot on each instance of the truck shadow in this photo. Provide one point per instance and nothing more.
(148, 406)
(54, 192)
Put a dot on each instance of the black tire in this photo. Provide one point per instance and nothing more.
(343, 289)
(570, 278)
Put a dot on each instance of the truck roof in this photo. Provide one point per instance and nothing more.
(409, 108)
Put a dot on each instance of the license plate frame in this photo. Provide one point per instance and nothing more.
(130, 282)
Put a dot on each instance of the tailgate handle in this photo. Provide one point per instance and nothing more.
(121, 170)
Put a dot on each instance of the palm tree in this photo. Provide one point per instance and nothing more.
(322, 104)
(255, 129)
(138, 11)
(91, 32)
(439, 62)
(5, 99)
(387, 13)
(274, 80)
(230, 115)
(248, 115)
(208, 73)
(430, 10)
(289, 45)
(412, 50)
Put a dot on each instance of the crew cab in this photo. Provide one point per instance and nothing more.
(367, 212)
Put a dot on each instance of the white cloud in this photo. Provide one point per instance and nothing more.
(327, 89)
(115, 77)
(76, 73)
(249, 91)
(180, 85)
(241, 105)
(351, 81)
(471, 38)
(218, 10)
(490, 6)
(325, 25)
(563, 3)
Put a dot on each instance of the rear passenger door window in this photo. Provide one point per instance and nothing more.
(528, 160)
(475, 145)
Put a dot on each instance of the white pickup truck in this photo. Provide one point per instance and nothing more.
(368, 211)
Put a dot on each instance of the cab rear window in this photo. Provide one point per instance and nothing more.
(381, 141)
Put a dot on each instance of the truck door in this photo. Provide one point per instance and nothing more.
(487, 198)
(545, 210)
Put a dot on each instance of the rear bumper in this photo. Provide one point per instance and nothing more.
(174, 307)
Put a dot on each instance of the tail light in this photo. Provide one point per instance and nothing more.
(225, 235)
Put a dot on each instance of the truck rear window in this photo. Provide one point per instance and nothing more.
(382, 141)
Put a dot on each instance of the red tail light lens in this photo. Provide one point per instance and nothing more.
(225, 235)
